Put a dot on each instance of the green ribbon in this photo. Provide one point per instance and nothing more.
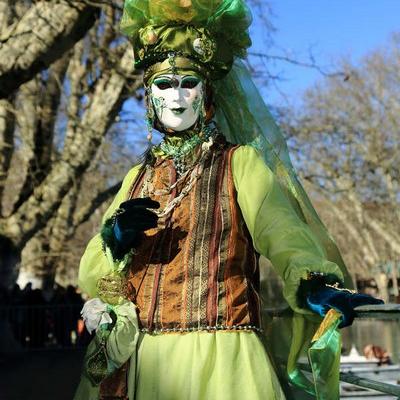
(323, 356)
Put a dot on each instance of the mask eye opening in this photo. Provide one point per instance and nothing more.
(190, 82)
(163, 83)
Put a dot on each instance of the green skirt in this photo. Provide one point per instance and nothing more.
(205, 366)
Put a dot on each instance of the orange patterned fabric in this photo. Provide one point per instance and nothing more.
(198, 268)
(115, 387)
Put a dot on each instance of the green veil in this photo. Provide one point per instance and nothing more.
(244, 118)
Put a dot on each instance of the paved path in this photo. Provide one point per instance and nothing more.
(44, 375)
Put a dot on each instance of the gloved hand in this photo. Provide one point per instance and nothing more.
(123, 231)
(342, 300)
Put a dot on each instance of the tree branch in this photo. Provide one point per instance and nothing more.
(86, 212)
(109, 94)
(43, 35)
(7, 124)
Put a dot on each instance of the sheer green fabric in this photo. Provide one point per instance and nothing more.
(245, 119)
(324, 357)
(228, 18)
(281, 235)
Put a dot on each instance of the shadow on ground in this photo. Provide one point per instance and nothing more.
(40, 375)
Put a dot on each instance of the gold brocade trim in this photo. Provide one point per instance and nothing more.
(182, 66)
(330, 318)
(96, 362)
(112, 289)
(204, 328)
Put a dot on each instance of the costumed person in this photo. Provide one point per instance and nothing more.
(174, 275)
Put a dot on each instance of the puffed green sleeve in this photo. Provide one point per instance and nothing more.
(124, 336)
(277, 231)
(94, 264)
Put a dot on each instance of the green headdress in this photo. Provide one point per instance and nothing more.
(210, 34)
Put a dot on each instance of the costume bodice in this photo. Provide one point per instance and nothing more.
(198, 269)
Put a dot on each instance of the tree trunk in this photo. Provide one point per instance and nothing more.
(41, 36)
(10, 257)
(7, 124)
(79, 150)
(394, 280)
(34, 213)
(56, 109)
(382, 280)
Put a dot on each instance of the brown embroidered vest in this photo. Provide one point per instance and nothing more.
(199, 270)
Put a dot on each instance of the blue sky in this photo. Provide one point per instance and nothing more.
(332, 28)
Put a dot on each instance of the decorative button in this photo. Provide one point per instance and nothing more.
(198, 46)
(151, 37)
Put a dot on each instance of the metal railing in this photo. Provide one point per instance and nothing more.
(40, 327)
(382, 312)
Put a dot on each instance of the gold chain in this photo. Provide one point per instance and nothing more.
(195, 173)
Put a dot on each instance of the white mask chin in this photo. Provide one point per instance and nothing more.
(177, 100)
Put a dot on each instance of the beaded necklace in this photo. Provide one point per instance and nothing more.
(195, 173)
(180, 152)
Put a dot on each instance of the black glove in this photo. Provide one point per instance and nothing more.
(341, 300)
(123, 231)
(314, 294)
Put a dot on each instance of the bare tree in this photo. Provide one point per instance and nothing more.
(44, 33)
(65, 73)
(346, 139)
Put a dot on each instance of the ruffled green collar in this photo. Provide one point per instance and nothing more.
(173, 144)
(182, 147)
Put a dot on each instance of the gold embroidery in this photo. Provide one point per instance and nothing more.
(330, 318)
(112, 289)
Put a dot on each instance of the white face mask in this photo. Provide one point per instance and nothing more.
(177, 100)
